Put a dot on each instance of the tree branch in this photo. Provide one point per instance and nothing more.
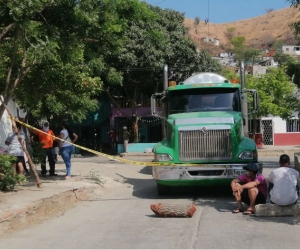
(115, 103)
(7, 82)
(6, 30)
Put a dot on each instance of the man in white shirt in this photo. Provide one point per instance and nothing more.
(283, 183)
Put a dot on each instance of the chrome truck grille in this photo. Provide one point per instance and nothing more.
(205, 143)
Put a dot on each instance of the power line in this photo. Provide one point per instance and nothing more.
(160, 2)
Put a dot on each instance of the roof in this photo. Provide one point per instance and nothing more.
(270, 54)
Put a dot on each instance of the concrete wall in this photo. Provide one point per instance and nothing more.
(281, 137)
(291, 50)
(259, 70)
(279, 125)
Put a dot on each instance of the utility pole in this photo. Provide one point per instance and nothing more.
(244, 99)
(208, 19)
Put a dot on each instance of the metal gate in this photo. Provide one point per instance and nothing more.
(267, 131)
(293, 125)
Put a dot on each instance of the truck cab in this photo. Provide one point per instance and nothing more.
(204, 138)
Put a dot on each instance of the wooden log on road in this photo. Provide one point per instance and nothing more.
(174, 210)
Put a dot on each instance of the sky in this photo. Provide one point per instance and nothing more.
(221, 11)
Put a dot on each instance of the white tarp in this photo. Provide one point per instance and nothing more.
(5, 122)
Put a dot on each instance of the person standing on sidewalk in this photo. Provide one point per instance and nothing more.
(13, 141)
(283, 183)
(66, 148)
(126, 136)
(46, 139)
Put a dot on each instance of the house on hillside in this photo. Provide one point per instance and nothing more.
(260, 67)
(214, 41)
(293, 50)
(269, 55)
(225, 54)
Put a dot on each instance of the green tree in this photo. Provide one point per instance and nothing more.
(196, 23)
(294, 2)
(277, 44)
(243, 52)
(290, 65)
(159, 39)
(57, 56)
(284, 59)
(42, 42)
(230, 33)
(238, 41)
(239, 48)
(278, 95)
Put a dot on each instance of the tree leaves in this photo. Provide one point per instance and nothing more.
(57, 56)
(278, 95)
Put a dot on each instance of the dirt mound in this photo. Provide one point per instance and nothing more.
(258, 31)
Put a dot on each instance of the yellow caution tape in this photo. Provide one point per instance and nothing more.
(140, 163)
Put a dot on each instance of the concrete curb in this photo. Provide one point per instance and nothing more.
(273, 210)
(43, 209)
(277, 152)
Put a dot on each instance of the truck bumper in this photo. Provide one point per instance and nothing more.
(208, 173)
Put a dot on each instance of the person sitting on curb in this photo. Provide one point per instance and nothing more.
(249, 188)
(283, 183)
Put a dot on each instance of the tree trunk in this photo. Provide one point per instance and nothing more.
(135, 128)
(254, 126)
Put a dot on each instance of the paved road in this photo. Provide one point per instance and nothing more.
(121, 218)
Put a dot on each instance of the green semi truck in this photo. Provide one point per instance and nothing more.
(203, 132)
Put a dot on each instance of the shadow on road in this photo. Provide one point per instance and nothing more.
(219, 198)
(146, 170)
(147, 189)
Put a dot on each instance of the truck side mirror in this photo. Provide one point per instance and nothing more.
(164, 99)
(255, 99)
(157, 97)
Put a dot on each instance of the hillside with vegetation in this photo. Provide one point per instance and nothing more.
(260, 31)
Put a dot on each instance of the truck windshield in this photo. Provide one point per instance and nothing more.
(204, 99)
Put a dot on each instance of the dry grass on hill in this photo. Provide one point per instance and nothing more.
(258, 31)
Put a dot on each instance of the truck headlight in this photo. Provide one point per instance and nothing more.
(247, 155)
(163, 157)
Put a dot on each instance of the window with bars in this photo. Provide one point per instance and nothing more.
(293, 125)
